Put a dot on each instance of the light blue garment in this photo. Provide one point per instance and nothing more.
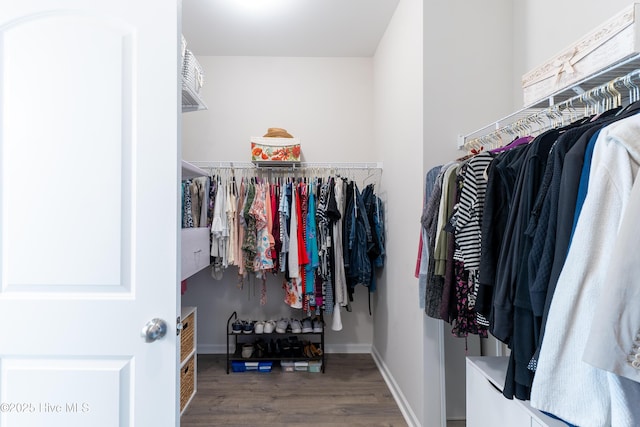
(312, 243)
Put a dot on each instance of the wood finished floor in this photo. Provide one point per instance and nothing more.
(351, 392)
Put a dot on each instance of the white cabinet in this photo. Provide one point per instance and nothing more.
(194, 250)
(188, 357)
(487, 407)
(194, 246)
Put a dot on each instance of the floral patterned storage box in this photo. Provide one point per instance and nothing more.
(275, 150)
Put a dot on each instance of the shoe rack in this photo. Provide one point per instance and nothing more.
(275, 346)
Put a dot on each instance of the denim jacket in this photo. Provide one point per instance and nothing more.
(359, 241)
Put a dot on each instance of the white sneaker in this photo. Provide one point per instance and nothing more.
(269, 326)
(296, 327)
(258, 328)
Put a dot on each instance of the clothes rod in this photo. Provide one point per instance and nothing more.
(293, 166)
(595, 100)
(600, 78)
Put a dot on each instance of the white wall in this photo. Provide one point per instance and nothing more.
(398, 331)
(542, 28)
(467, 78)
(328, 104)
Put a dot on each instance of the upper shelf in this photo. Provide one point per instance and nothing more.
(592, 81)
(192, 81)
(189, 171)
(191, 101)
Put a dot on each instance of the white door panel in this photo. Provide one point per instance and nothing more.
(107, 381)
(88, 212)
(49, 58)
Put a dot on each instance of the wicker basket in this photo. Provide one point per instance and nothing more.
(192, 73)
(187, 382)
(186, 337)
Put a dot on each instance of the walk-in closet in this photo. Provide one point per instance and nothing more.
(116, 115)
(243, 88)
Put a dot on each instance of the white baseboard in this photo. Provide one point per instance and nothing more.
(330, 348)
(348, 348)
(403, 404)
(212, 348)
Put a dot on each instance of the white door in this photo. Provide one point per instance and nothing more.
(88, 212)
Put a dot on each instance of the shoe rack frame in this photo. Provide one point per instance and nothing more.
(240, 338)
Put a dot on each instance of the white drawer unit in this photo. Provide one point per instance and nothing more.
(194, 250)
(487, 407)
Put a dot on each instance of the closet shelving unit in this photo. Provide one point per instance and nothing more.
(563, 95)
(194, 248)
(240, 338)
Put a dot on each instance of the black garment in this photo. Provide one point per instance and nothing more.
(502, 174)
(333, 214)
(512, 271)
(543, 222)
(357, 241)
(516, 245)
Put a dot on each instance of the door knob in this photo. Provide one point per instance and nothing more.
(154, 329)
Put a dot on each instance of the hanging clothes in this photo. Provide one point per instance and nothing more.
(300, 228)
(560, 371)
(536, 233)
(425, 253)
(232, 225)
(187, 213)
(336, 212)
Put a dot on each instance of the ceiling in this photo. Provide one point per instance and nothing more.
(320, 28)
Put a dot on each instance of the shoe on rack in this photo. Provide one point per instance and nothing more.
(247, 351)
(260, 347)
(307, 325)
(274, 347)
(315, 351)
(296, 346)
(282, 325)
(237, 326)
(269, 326)
(306, 350)
(285, 347)
(258, 328)
(248, 327)
(296, 327)
(318, 325)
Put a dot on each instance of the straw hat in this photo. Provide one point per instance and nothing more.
(277, 133)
